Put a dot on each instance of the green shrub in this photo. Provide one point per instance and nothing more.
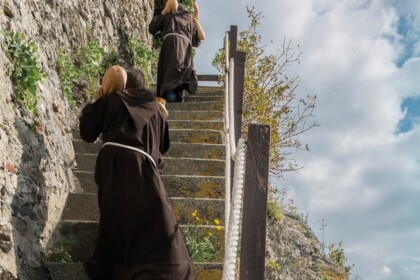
(26, 70)
(274, 211)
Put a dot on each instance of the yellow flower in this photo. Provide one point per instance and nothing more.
(217, 222)
(218, 228)
(197, 218)
(194, 214)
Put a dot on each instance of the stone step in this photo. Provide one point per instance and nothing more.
(176, 185)
(196, 115)
(198, 124)
(172, 166)
(194, 167)
(79, 239)
(182, 135)
(75, 271)
(184, 150)
(201, 90)
(206, 136)
(200, 151)
(83, 207)
(204, 98)
(195, 106)
(194, 186)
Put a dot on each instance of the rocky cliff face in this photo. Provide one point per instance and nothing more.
(36, 161)
(294, 253)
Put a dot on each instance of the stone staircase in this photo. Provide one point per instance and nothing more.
(193, 176)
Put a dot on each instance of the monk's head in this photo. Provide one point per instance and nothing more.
(170, 7)
(114, 79)
(135, 78)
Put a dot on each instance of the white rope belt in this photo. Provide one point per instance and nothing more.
(180, 35)
(131, 148)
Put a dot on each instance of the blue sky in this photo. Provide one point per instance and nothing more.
(362, 59)
(411, 107)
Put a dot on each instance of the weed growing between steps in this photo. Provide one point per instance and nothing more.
(59, 253)
(26, 70)
(200, 245)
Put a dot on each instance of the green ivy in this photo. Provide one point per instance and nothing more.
(143, 58)
(68, 74)
(109, 59)
(26, 70)
(92, 61)
(89, 58)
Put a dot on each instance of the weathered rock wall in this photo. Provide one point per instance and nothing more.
(35, 163)
(294, 252)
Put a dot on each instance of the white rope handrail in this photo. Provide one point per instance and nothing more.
(233, 205)
(231, 251)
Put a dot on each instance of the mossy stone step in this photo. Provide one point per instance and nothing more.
(201, 90)
(198, 124)
(204, 90)
(194, 167)
(184, 150)
(173, 166)
(199, 150)
(204, 98)
(196, 136)
(176, 185)
(83, 207)
(196, 115)
(75, 271)
(195, 106)
(207, 136)
(80, 238)
(194, 186)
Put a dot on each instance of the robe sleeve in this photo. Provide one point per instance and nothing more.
(164, 141)
(90, 123)
(156, 24)
(195, 40)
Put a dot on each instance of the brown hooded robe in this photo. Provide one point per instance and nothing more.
(138, 235)
(175, 64)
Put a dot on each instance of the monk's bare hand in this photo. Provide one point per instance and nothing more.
(195, 11)
(99, 93)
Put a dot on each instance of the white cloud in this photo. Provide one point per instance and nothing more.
(360, 176)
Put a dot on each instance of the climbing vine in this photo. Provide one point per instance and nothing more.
(68, 74)
(91, 61)
(144, 58)
(26, 70)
